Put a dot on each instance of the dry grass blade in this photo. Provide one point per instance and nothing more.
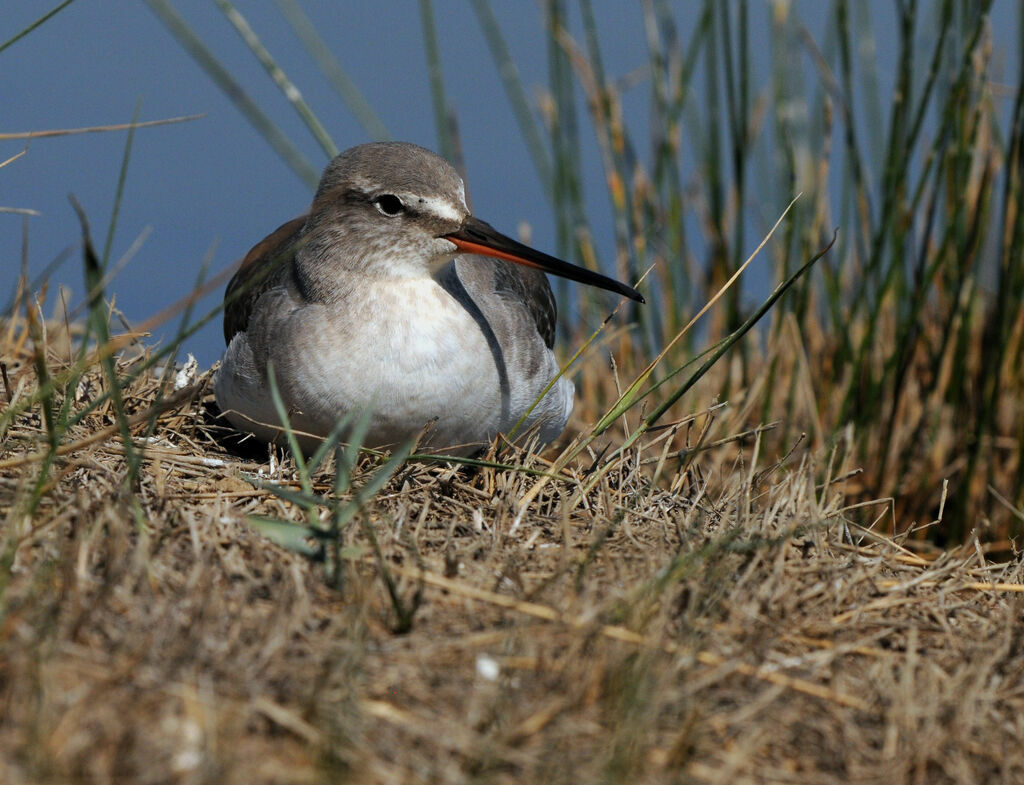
(13, 158)
(701, 596)
(746, 605)
(101, 435)
(615, 632)
(97, 129)
(629, 398)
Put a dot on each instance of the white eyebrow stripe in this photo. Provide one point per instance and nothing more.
(440, 208)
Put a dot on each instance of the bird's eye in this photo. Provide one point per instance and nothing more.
(389, 204)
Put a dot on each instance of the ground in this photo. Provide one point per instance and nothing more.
(714, 617)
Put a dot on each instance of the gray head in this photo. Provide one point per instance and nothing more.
(396, 210)
(400, 166)
(387, 206)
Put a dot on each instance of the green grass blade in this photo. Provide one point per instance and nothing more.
(303, 499)
(514, 90)
(435, 73)
(206, 60)
(41, 20)
(753, 319)
(285, 85)
(100, 327)
(328, 64)
(122, 176)
(293, 442)
(291, 536)
(632, 393)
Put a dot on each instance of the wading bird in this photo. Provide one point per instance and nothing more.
(390, 298)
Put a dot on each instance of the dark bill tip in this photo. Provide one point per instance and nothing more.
(479, 237)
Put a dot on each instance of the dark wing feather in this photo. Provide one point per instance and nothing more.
(256, 273)
(530, 287)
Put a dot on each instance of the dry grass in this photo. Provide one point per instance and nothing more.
(731, 622)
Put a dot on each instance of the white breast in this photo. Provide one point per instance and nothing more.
(409, 351)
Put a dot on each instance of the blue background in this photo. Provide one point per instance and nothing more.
(212, 187)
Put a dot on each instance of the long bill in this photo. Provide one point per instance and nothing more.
(479, 237)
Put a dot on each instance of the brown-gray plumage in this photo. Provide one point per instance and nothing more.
(252, 278)
(389, 297)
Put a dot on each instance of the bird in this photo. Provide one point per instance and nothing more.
(391, 302)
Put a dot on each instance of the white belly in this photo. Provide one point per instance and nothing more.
(410, 354)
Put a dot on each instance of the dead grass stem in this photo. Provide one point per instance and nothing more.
(735, 621)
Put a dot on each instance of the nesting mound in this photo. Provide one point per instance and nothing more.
(697, 617)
